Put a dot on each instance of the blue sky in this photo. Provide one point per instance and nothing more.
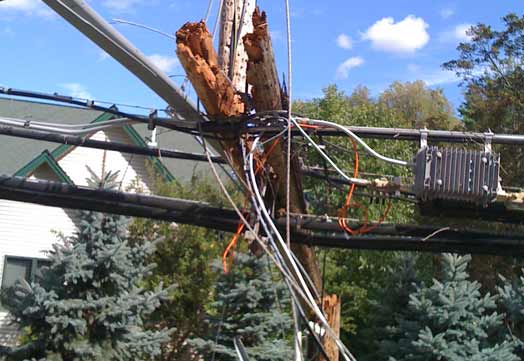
(347, 43)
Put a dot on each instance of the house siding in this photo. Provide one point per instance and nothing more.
(27, 230)
(130, 167)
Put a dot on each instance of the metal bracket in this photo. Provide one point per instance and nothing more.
(153, 114)
(424, 138)
(151, 125)
(488, 137)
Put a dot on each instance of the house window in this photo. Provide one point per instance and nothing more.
(18, 268)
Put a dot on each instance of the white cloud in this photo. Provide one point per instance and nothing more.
(344, 68)
(405, 36)
(121, 5)
(27, 7)
(461, 32)
(164, 63)
(77, 90)
(432, 77)
(344, 41)
(458, 33)
(440, 77)
(446, 13)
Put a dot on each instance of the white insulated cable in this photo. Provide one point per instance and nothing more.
(344, 351)
(355, 137)
(95, 127)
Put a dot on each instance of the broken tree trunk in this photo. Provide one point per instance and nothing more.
(218, 96)
(200, 61)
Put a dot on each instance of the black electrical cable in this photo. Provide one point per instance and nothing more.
(273, 122)
(311, 230)
(97, 144)
(170, 123)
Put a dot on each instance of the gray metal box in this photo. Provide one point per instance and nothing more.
(456, 174)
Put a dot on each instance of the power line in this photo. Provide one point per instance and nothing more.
(97, 144)
(248, 124)
(306, 229)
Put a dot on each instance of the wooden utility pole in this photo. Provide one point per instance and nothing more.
(245, 61)
(236, 22)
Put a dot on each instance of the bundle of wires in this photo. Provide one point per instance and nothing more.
(301, 288)
(342, 220)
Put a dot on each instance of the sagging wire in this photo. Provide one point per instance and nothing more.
(353, 180)
(289, 259)
(126, 22)
(229, 253)
(292, 282)
(367, 148)
(289, 112)
(295, 304)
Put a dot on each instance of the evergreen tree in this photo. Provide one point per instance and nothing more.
(512, 298)
(451, 320)
(182, 258)
(88, 303)
(251, 305)
(391, 307)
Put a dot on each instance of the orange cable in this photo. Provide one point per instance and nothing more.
(229, 252)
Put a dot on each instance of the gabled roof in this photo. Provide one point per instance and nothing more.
(15, 153)
(44, 158)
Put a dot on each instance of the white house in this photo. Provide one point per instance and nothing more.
(28, 230)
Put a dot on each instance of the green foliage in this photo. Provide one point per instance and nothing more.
(183, 258)
(89, 304)
(358, 277)
(250, 304)
(512, 299)
(403, 281)
(491, 68)
(419, 105)
(450, 320)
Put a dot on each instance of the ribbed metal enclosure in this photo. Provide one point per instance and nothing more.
(456, 174)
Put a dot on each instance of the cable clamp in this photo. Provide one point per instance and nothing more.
(424, 138)
(153, 114)
(488, 138)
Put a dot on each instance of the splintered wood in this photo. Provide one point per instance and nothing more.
(331, 307)
(261, 66)
(200, 61)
